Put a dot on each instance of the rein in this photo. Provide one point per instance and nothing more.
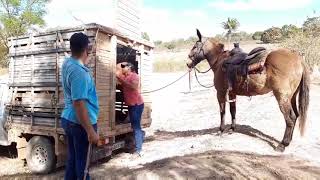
(202, 72)
(195, 74)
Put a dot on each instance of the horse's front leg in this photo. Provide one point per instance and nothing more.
(222, 104)
(233, 110)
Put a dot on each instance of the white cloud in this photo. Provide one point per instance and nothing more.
(76, 12)
(195, 14)
(162, 24)
(259, 5)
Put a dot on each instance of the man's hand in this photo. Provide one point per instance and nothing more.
(93, 137)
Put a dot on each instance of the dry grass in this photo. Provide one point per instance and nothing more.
(175, 61)
(308, 46)
(3, 71)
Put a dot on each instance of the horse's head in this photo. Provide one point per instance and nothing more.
(204, 48)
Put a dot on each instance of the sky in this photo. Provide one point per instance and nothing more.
(172, 19)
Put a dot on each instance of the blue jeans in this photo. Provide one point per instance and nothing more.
(77, 140)
(135, 113)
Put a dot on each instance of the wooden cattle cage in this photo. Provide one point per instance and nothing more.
(36, 91)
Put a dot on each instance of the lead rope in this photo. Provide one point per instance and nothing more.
(189, 81)
(147, 92)
(86, 170)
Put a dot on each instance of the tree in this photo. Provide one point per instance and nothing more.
(272, 35)
(231, 25)
(170, 46)
(17, 17)
(157, 43)
(145, 36)
(241, 36)
(192, 39)
(288, 31)
(311, 26)
(257, 35)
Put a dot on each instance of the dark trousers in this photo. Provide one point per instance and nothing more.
(77, 150)
(135, 113)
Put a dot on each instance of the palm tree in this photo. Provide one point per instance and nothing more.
(231, 25)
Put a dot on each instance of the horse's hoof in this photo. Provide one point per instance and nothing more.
(222, 129)
(280, 148)
(233, 128)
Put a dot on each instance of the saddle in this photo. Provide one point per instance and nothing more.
(242, 64)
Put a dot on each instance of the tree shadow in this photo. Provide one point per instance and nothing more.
(242, 129)
(215, 165)
(207, 165)
(9, 151)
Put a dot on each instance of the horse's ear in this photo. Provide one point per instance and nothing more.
(199, 35)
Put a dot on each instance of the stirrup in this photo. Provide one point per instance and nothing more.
(232, 100)
(227, 96)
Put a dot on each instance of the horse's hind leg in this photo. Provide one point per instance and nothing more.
(290, 117)
(233, 110)
(294, 104)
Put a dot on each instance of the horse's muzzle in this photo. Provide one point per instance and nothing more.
(189, 63)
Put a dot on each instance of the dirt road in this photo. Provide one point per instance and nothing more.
(183, 141)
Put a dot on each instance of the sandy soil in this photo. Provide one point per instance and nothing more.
(183, 141)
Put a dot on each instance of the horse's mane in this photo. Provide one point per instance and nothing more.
(225, 53)
(214, 40)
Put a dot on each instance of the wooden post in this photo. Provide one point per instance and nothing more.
(113, 81)
(56, 99)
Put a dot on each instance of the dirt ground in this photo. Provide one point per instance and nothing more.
(183, 141)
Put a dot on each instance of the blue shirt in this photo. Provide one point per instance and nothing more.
(78, 84)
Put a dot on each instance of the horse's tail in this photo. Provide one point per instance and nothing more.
(304, 90)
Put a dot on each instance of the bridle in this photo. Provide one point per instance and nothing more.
(196, 61)
(200, 53)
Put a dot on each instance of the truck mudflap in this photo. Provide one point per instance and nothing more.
(4, 97)
(105, 151)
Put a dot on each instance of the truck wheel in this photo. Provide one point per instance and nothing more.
(40, 155)
(129, 143)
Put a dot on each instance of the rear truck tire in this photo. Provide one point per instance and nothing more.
(129, 146)
(40, 155)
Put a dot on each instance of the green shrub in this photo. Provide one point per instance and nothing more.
(170, 46)
(241, 36)
(157, 43)
(289, 31)
(311, 27)
(257, 35)
(272, 35)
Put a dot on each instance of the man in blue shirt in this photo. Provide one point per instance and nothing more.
(79, 117)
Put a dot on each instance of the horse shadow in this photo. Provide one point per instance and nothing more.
(242, 129)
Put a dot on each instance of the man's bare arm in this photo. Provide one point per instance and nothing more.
(132, 84)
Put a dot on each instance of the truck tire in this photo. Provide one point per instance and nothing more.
(40, 155)
(129, 146)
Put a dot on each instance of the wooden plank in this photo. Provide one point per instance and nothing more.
(128, 9)
(47, 37)
(127, 21)
(132, 5)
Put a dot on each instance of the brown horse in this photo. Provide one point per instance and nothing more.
(285, 74)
